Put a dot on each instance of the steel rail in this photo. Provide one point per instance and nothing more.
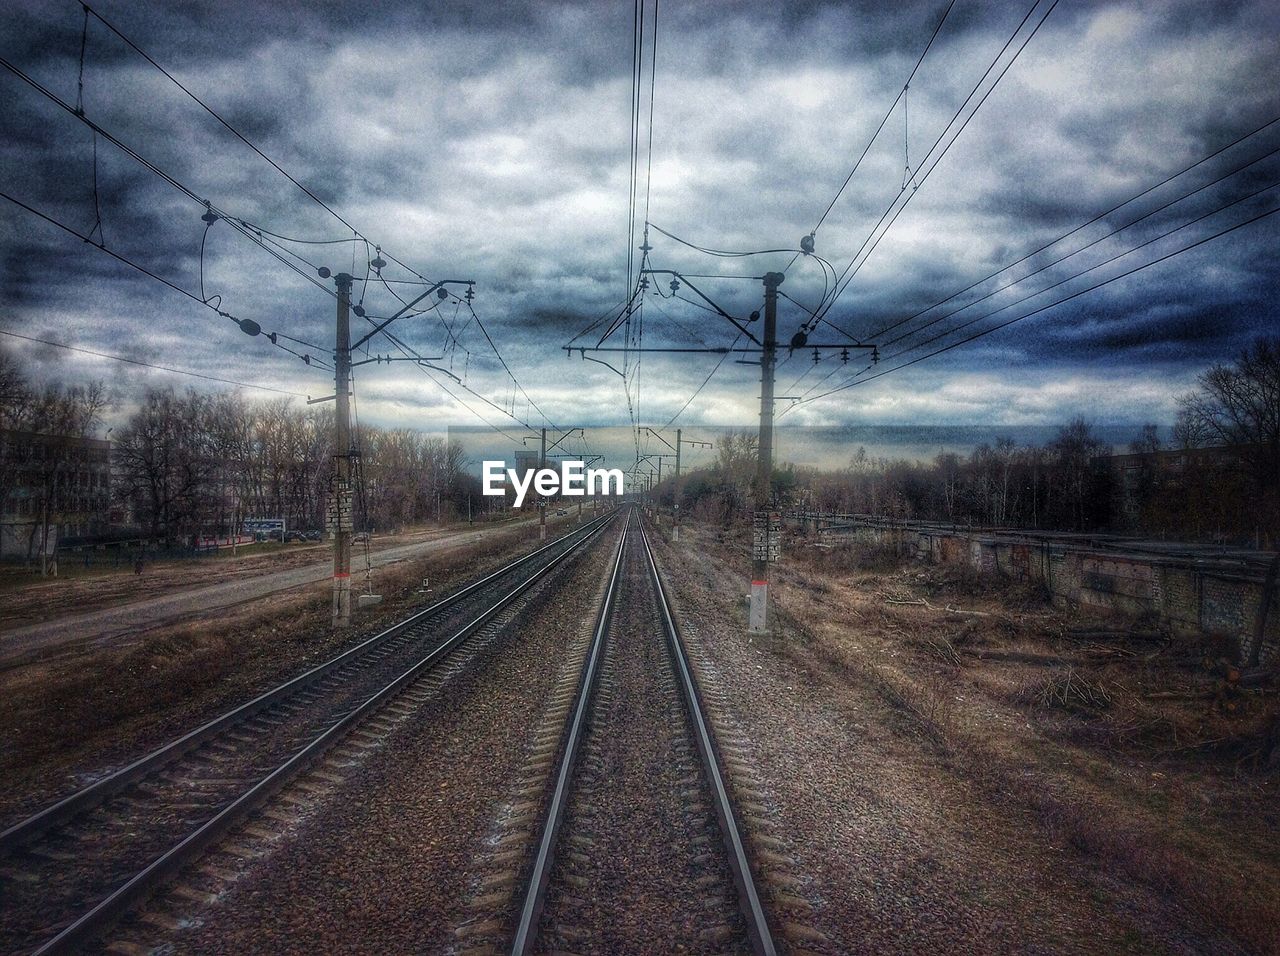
(748, 897)
(112, 907)
(540, 876)
(99, 791)
(535, 896)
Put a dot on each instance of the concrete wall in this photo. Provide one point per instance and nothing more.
(1187, 594)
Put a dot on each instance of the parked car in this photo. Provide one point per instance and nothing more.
(561, 511)
(295, 536)
(314, 535)
(361, 537)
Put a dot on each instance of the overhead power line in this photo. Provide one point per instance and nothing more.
(892, 106)
(227, 125)
(1088, 245)
(162, 368)
(912, 184)
(1084, 225)
(1066, 298)
(271, 337)
(235, 222)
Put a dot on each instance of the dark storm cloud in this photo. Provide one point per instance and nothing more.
(490, 141)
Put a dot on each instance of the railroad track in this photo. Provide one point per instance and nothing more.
(71, 870)
(639, 847)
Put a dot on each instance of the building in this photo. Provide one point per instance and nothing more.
(51, 487)
(1202, 494)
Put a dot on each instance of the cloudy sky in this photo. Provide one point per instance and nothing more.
(491, 141)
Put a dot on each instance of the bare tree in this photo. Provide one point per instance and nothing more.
(1239, 405)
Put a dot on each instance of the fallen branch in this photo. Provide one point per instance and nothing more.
(946, 610)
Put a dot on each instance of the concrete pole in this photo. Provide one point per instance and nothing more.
(758, 619)
(342, 455)
(542, 501)
(657, 498)
(675, 504)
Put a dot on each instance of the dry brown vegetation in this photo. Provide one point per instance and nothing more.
(1137, 750)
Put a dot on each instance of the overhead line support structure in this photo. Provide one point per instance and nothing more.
(341, 492)
(680, 442)
(758, 617)
(542, 464)
(765, 525)
(342, 517)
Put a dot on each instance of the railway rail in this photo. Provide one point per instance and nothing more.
(639, 826)
(71, 870)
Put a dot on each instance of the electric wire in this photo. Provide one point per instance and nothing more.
(1018, 318)
(894, 209)
(1085, 225)
(308, 359)
(698, 391)
(892, 106)
(1048, 265)
(162, 368)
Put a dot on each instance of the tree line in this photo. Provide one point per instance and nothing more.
(1217, 480)
(186, 463)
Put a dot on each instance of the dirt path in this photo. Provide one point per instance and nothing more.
(181, 600)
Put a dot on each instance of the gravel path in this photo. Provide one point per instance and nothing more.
(894, 849)
(106, 624)
(384, 862)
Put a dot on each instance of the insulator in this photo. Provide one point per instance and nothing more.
(753, 317)
(815, 357)
(209, 216)
(675, 285)
(324, 272)
(442, 293)
(806, 245)
(272, 337)
(250, 327)
(799, 340)
(358, 310)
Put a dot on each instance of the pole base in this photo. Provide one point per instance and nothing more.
(758, 617)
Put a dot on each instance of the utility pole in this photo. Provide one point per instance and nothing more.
(657, 497)
(765, 543)
(342, 457)
(764, 530)
(676, 448)
(542, 499)
(340, 504)
(676, 496)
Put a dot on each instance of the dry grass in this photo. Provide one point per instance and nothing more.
(1117, 742)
